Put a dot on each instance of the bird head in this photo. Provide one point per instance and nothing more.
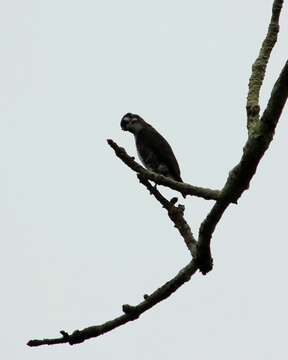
(132, 123)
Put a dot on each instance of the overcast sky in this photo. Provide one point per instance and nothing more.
(79, 235)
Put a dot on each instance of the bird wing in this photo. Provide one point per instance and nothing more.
(150, 138)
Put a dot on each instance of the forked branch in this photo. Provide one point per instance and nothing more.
(261, 131)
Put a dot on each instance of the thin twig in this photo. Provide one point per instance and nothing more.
(175, 213)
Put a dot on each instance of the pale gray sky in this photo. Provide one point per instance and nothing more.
(80, 236)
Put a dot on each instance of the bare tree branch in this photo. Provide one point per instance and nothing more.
(260, 65)
(258, 141)
(175, 213)
(130, 312)
(277, 101)
(184, 188)
(240, 176)
(259, 137)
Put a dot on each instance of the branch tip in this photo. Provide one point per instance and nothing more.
(173, 201)
(64, 334)
(33, 343)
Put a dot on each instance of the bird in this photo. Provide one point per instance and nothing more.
(153, 149)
